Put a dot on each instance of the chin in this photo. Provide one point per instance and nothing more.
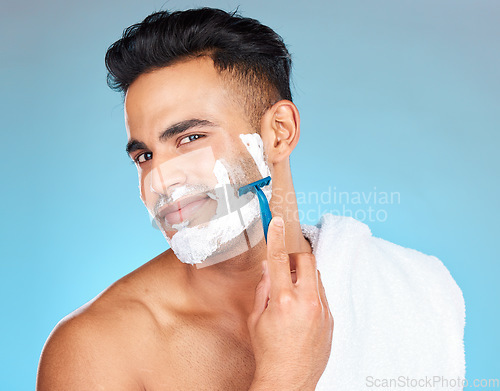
(240, 245)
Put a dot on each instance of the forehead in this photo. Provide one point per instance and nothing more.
(191, 88)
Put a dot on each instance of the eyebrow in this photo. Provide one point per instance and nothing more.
(171, 131)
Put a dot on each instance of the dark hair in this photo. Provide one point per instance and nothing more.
(243, 49)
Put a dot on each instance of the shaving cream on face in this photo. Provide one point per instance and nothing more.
(234, 214)
(188, 174)
(255, 146)
(180, 192)
(194, 245)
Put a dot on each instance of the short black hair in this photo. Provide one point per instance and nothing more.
(252, 58)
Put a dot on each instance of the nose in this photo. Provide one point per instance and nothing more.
(166, 176)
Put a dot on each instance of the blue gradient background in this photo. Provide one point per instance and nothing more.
(399, 96)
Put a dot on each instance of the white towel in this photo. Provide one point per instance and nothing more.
(398, 314)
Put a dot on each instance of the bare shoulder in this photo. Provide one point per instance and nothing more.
(96, 346)
(83, 352)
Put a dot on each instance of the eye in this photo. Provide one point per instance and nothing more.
(190, 138)
(143, 157)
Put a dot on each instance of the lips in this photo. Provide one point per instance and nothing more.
(182, 209)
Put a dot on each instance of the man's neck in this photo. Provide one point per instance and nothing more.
(228, 287)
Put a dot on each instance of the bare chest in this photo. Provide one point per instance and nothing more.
(197, 358)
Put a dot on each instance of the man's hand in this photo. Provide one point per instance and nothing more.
(291, 325)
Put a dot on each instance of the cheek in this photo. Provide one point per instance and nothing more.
(255, 149)
(145, 193)
(199, 172)
(198, 167)
(243, 169)
(142, 189)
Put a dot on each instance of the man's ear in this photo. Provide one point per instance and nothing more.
(280, 130)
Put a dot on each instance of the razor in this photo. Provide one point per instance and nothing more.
(256, 188)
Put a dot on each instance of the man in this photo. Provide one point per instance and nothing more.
(237, 303)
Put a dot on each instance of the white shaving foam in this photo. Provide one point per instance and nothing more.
(221, 173)
(255, 146)
(193, 245)
(179, 192)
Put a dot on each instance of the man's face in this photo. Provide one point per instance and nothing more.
(185, 134)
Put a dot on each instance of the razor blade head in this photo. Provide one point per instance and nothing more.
(252, 186)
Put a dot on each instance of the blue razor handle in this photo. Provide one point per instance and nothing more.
(265, 212)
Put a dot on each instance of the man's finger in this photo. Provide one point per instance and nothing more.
(277, 257)
(307, 277)
(321, 291)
